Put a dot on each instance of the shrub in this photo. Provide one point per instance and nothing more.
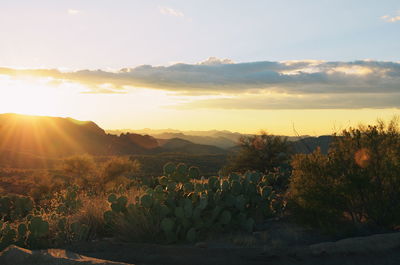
(80, 169)
(84, 171)
(262, 152)
(118, 170)
(356, 183)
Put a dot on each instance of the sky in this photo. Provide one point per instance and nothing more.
(290, 66)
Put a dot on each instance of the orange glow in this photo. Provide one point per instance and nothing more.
(362, 157)
(35, 135)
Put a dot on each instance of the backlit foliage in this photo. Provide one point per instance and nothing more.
(357, 182)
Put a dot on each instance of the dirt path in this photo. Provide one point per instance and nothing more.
(147, 254)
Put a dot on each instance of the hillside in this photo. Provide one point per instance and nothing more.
(57, 137)
(49, 136)
(38, 141)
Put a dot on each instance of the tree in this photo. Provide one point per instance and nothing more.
(357, 182)
(261, 152)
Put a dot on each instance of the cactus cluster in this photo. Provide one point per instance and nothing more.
(118, 206)
(32, 234)
(69, 201)
(181, 172)
(79, 231)
(66, 232)
(187, 206)
(15, 207)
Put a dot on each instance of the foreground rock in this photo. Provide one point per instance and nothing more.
(14, 255)
(358, 245)
(381, 249)
(350, 246)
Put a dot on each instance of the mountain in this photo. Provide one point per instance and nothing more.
(309, 144)
(221, 139)
(220, 142)
(36, 141)
(144, 141)
(177, 145)
(57, 137)
(49, 136)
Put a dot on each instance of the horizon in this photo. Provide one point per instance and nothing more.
(203, 66)
(155, 131)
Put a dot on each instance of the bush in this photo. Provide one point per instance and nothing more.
(80, 169)
(356, 183)
(84, 171)
(264, 153)
(118, 170)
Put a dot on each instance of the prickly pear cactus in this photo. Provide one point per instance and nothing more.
(69, 200)
(194, 172)
(22, 234)
(38, 230)
(146, 201)
(191, 235)
(5, 207)
(179, 173)
(15, 207)
(7, 235)
(80, 231)
(118, 204)
(186, 206)
(23, 206)
(169, 169)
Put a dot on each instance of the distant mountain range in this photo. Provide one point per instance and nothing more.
(36, 141)
(222, 139)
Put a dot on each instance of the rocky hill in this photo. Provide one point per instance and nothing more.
(37, 141)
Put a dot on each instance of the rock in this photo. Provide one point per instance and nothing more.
(14, 255)
(201, 245)
(356, 245)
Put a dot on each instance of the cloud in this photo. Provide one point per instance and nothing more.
(257, 85)
(391, 19)
(170, 11)
(312, 101)
(215, 76)
(105, 89)
(73, 12)
(215, 61)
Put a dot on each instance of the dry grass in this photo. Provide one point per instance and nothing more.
(244, 240)
(133, 225)
(137, 224)
(91, 214)
(133, 194)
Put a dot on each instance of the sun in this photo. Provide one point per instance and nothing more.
(32, 96)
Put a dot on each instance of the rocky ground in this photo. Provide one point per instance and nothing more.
(281, 244)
